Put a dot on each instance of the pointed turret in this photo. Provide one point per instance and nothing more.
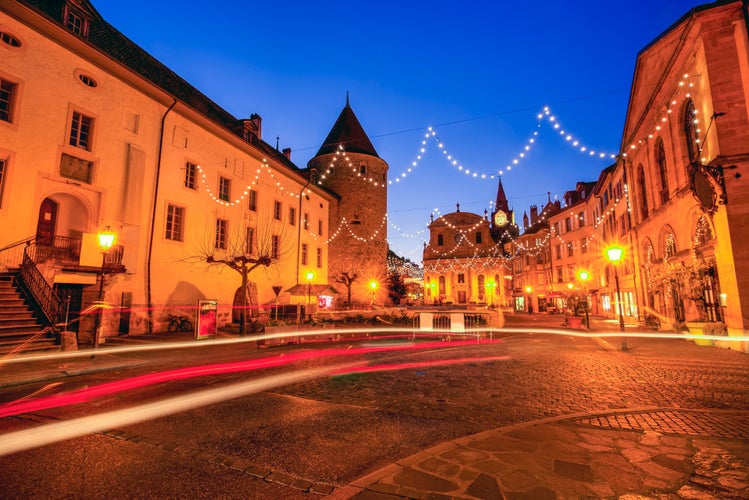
(347, 132)
(501, 202)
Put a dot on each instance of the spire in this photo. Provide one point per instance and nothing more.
(501, 202)
(347, 132)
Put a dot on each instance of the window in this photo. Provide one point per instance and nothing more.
(81, 128)
(9, 39)
(478, 237)
(584, 245)
(87, 80)
(319, 227)
(249, 241)
(670, 247)
(560, 276)
(559, 251)
(567, 225)
(703, 232)
(75, 22)
(440, 240)
(643, 192)
(253, 200)
(319, 257)
(581, 219)
(461, 278)
(224, 189)
(660, 158)
(570, 249)
(304, 254)
(362, 170)
(175, 219)
(556, 228)
(305, 221)
(7, 95)
(3, 170)
(190, 175)
(277, 210)
(292, 216)
(221, 233)
(275, 248)
(690, 132)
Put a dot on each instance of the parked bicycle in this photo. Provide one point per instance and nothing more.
(178, 323)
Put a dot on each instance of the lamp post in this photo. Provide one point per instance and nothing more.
(106, 240)
(491, 287)
(584, 276)
(614, 255)
(310, 277)
(529, 290)
(373, 286)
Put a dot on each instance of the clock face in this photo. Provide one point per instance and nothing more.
(500, 218)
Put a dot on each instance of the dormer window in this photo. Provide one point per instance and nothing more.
(9, 39)
(75, 21)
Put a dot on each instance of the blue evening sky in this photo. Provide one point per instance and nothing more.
(478, 72)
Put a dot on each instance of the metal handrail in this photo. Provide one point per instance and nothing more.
(34, 283)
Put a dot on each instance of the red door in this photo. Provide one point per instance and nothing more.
(45, 226)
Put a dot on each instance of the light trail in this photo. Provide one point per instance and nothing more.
(86, 394)
(18, 441)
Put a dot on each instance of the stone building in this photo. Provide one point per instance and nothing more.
(348, 165)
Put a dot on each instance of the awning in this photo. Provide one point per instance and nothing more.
(313, 289)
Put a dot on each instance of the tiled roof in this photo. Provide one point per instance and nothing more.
(347, 132)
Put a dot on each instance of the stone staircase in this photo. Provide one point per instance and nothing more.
(21, 329)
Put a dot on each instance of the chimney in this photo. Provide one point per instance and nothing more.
(257, 124)
(287, 153)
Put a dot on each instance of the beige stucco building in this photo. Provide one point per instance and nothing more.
(95, 134)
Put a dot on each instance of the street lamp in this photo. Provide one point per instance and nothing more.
(614, 254)
(528, 290)
(310, 277)
(106, 241)
(584, 276)
(373, 286)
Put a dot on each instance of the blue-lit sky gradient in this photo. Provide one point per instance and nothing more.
(478, 72)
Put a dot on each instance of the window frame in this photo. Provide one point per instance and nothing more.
(252, 200)
(78, 121)
(191, 176)
(12, 99)
(222, 234)
(224, 189)
(174, 224)
(277, 209)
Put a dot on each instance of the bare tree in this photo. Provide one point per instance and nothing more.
(244, 249)
(347, 279)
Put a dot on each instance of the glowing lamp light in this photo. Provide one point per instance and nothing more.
(373, 285)
(614, 253)
(583, 275)
(106, 239)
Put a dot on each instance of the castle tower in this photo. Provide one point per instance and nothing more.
(503, 227)
(348, 165)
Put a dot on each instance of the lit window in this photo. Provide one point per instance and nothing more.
(7, 94)
(221, 233)
(175, 217)
(191, 171)
(224, 189)
(81, 128)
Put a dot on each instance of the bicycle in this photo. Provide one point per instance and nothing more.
(178, 323)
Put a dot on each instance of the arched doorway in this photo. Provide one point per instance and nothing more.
(46, 223)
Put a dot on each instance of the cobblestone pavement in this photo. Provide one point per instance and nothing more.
(546, 417)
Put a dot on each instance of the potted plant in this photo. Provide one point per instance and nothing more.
(577, 305)
(717, 328)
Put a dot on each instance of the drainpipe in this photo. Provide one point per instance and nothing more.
(149, 325)
(312, 173)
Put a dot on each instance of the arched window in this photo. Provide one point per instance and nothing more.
(690, 132)
(670, 246)
(442, 285)
(643, 192)
(703, 232)
(660, 158)
(481, 285)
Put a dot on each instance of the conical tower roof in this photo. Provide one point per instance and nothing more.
(501, 202)
(347, 132)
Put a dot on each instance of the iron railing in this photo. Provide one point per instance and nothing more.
(44, 295)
